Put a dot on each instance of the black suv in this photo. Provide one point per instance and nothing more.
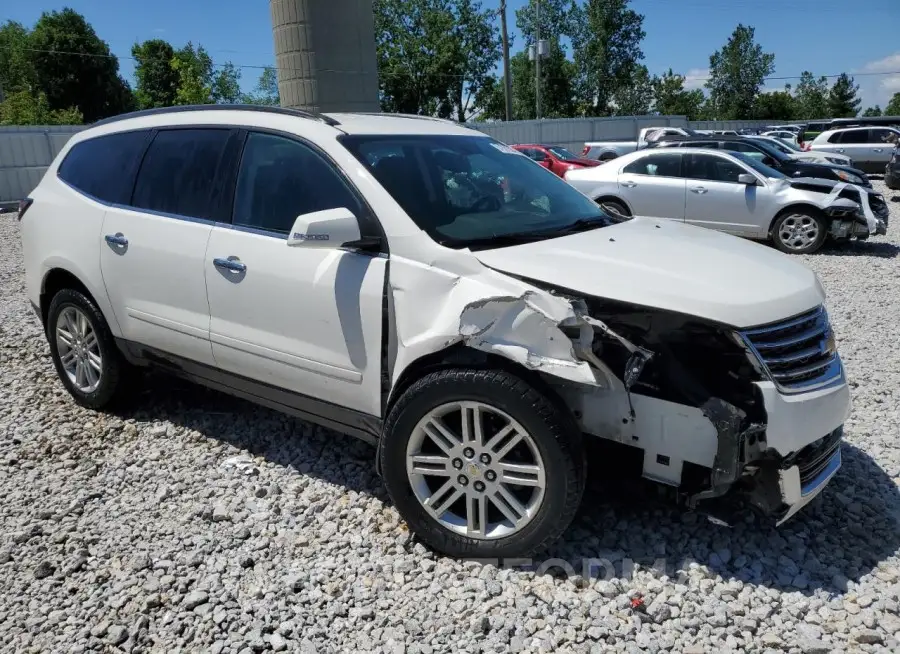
(770, 156)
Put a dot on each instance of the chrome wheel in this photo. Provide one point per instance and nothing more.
(78, 349)
(476, 470)
(799, 232)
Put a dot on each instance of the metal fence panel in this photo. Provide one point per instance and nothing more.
(25, 153)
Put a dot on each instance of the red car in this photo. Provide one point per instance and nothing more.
(555, 158)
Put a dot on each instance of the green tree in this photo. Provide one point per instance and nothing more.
(812, 97)
(266, 91)
(26, 108)
(198, 83)
(842, 99)
(476, 44)
(736, 74)
(671, 98)
(636, 98)
(606, 39)
(872, 112)
(16, 67)
(558, 97)
(157, 81)
(776, 105)
(87, 76)
(226, 85)
(893, 107)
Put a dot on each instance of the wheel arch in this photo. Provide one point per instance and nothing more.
(793, 207)
(55, 280)
(609, 196)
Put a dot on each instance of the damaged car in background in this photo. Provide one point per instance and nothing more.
(734, 193)
(427, 288)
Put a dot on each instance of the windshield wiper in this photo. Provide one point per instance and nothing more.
(580, 225)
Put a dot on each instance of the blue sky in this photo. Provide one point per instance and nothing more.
(824, 36)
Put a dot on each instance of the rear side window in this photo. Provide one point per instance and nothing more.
(836, 137)
(104, 167)
(281, 179)
(179, 172)
(661, 165)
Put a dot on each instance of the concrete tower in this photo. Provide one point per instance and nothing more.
(325, 54)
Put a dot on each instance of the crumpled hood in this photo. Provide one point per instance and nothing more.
(672, 266)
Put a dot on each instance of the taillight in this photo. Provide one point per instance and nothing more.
(586, 149)
(23, 206)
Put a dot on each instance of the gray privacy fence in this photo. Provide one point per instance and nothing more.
(25, 153)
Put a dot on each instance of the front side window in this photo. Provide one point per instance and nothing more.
(472, 191)
(712, 168)
(280, 179)
(855, 136)
(659, 164)
(104, 167)
(179, 172)
(881, 136)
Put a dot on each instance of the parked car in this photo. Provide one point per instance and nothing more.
(892, 170)
(422, 286)
(770, 156)
(781, 134)
(554, 158)
(794, 151)
(794, 129)
(731, 192)
(869, 147)
(608, 150)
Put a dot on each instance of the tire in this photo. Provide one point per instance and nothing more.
(551, 437)
(615, 208)
(609, 156)
(799, 231)
(101, 380)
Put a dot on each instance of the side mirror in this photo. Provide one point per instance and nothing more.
(331, 228)
(748, 179)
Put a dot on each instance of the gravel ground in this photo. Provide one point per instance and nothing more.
(195, 522)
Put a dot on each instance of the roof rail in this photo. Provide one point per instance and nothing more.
(284, 111)
(399, 115)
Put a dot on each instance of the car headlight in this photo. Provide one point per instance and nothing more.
(850, 178)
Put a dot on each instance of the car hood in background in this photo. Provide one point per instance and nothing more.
(589, 163)
(671, 266)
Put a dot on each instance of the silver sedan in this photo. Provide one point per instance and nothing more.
(733, 193)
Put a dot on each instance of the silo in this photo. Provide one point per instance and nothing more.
(325, 54)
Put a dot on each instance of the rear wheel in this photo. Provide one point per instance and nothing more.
(615, 208)
(609, 156)
(799, 231)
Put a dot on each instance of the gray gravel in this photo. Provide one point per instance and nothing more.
(196, 522)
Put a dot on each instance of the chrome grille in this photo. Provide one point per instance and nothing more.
(798, 354)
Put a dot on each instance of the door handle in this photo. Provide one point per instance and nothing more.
(231, 264)
(629, 184)
(698, 189)
(877, 149)
(841, 150)
(116, 239)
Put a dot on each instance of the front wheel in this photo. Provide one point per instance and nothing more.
(481, 464)
(616, 209)
(799, 231)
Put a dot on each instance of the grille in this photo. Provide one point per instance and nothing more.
(799, 354)
(815, 457)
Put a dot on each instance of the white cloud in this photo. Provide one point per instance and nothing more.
(696, 78)
(878, 89)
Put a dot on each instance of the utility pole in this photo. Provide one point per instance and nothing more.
(537, 59)
(507, 82)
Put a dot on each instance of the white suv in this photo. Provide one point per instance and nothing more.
(424, 287)
(869, 147)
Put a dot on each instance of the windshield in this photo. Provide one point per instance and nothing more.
(771, 150)
(562, 154)
(758, 165)
(473, 191)
(775, 143)
(790, 145)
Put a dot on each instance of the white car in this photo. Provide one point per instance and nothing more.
(781, 134)
(734, 193)
(870, 148)
(794, 151)
(429, 289)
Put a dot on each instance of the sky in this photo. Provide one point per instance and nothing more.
(826, 37)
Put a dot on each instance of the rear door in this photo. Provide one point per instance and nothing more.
(653, 184)
(153, 256)
(855, 144)
(717, 200)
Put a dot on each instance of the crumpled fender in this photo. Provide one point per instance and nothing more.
(834, 196)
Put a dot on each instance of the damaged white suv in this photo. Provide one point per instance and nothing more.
(422, 286)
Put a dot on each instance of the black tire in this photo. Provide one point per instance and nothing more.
(609, 156)
(112, 365)
(781, 234)
(553, 431)
(615, 208)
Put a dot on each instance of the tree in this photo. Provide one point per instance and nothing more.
(16, 68)
(671, 98)
(476, 44)
(776, 105)
(198, 83)
(557, 85)
(606, 39)
(812, 97)
(25, 108)
(226, 85)
(157, 81)
(87, 76)
(736, 74)
(636, 98)
(893, 107)
(872, 112)
(266, 91)
(842, 99)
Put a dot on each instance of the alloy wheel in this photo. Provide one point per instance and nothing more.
(79, 349)
(799, 232)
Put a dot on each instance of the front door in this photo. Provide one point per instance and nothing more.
(881, 146)
(302, 319)
(653, 185)
(717, 200)
(153, 255)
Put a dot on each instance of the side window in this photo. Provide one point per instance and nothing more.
(836, 137)
(539, 155)
(856, 136)
(712, 168)
(881, 136)
(280, 179)
(660, 165)
(179, 171)
(104, 167)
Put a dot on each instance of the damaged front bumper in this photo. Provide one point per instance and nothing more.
(804, 478)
